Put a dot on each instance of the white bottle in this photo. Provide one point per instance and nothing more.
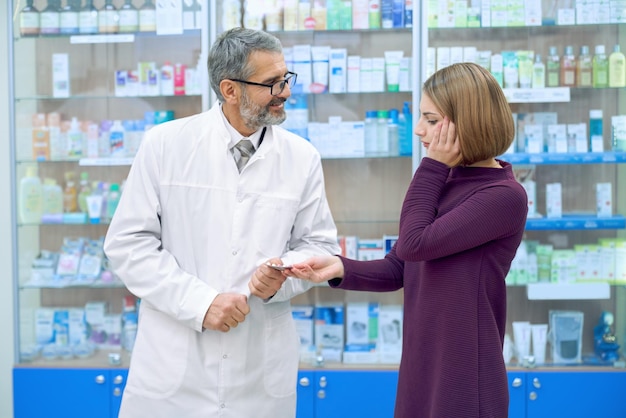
(116, 139)
(539, 73)
(74, 140)
(167, 79)
(371, 132)
(30, 201)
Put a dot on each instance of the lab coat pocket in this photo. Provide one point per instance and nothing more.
(274, 220)
(281, 355)
(159, 355)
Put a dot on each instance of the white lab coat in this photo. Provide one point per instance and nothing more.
(189, 226)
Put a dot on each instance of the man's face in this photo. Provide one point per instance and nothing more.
(258, 107)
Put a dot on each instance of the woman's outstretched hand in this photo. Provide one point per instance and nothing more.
(317, 269)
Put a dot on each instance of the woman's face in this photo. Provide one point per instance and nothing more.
(430, 116)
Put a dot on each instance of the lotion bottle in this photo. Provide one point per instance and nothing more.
(617, 68)
(30, 197)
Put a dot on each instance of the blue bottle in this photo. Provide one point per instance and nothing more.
(405, 134)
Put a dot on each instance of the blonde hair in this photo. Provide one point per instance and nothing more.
(472, 99)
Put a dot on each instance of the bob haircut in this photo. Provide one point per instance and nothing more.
(472, 99)
(229, 55)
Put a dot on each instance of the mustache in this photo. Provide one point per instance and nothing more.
(277, 101)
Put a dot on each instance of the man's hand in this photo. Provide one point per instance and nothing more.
(226, 312)
(266, 281)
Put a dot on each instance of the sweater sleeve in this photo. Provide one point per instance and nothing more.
(384, 275)
(492, 211)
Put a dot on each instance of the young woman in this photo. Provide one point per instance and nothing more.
(462, 220)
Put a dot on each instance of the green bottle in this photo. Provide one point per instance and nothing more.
(600, 70)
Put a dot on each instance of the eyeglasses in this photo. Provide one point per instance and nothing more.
(275, 88)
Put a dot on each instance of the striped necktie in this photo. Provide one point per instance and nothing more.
(246, 149)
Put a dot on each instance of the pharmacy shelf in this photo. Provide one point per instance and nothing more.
(566, 158)
(568, 291)
(575, 222)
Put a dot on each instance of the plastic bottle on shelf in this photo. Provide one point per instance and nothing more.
(393, 129)
(568, 67)
(116, 139)
(596, 139)
(584, 66)
(600, 70)
(68, 18)
(88, 18)
(108, 18)
(553, 68)
(539, 73)
(52, 197)
(374, 14)
(75, 140)
(167, 79)
(85, 190)
(29, 20)
(129, 17)
(147, 17)
(30, 202)
(382, 133)
(405, 140)
(113, 198)
(617, 68)
(70, 194)
(371, 132)
(49, 20)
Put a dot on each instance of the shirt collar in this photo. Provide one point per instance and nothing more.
(235, 136)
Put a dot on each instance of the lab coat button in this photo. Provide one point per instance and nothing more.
(235, 252)
(225, 356)
(222, 406)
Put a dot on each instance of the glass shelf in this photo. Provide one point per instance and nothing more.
(566, 158)
(576, 222)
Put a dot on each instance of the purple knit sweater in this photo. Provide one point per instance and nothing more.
(459, 230)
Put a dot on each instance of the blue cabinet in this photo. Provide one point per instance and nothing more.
(346, 393)
(517, 394)
(67, 393)
(580, 394)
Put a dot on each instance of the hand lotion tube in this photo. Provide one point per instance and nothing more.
(94, 207)
(392, 69)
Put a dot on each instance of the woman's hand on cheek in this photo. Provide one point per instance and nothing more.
(444, 146)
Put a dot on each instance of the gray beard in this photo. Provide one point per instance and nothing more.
(255, 116)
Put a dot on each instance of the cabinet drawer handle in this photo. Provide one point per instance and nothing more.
(532, 396)
(304, 381)
(536, 383)
(517, 382)
(117, 392)
(323, 382)
(118, 379)
(321, 394)
(100, 379)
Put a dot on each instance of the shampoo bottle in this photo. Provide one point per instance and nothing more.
(29, 20)
(553, 68)
(49, 18)
(68, 18)
(600, 70)
(88, 18)
(568, 67)
(147, 17)
(30, 197)
(129, 17)
(617, 68)
(584, 68)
